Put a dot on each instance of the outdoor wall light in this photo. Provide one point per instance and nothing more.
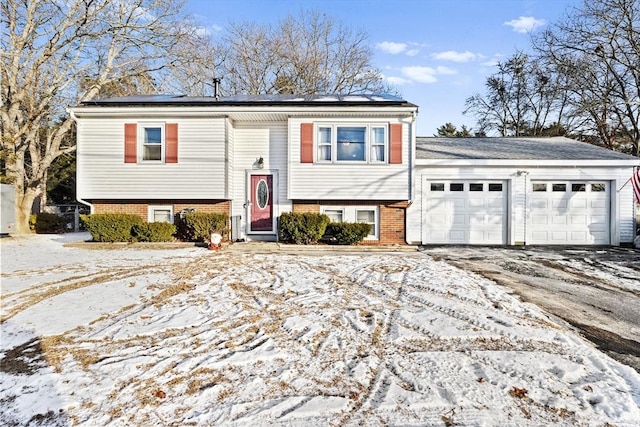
(520, 173)
(260, 163)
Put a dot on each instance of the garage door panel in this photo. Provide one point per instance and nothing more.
(578, 220)
(457, 236)
(434, 203)
(475, 203)
(559, 220)
(539, 204)
(559, 204)
(573, 214)
(465, 217)
(579, 204)
(578, 235)
(494, 203)
(539, 235)
(539, 219)
(437, 219)
(559, 236)
(458, 219)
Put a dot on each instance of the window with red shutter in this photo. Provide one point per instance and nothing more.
(306, 143)
(395, 143)
(171, 143)
(130, 143)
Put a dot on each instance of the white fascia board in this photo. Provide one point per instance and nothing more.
(145, 112)
(528, 163)
(227, 110)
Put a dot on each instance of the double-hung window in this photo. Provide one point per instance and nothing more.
(368, 216)
(152, 142)
(378, 144)
(324, 143)
(352, 143)
(336, 215)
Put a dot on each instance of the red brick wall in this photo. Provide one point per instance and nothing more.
(140, 207)
(392, 217)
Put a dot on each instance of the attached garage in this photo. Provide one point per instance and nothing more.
(520, 191)
(569, 213)
(466, 212)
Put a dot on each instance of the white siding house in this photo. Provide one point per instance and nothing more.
(354, 158)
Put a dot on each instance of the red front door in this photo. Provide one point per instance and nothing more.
(261, 203)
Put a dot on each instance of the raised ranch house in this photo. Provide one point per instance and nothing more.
(354, 158)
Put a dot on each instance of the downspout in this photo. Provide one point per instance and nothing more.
(412, 146)
(73, 116)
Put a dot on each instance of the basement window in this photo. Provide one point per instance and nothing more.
(160, 214)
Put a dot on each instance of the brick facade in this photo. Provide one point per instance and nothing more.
(392, 217)
(141, 207)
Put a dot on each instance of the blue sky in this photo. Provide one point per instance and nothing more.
(436, 52)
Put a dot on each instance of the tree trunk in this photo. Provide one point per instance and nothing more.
(24, 204)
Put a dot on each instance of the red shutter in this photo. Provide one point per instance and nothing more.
(171, 142)
(130, 143)
(306, 143)
(395, 144)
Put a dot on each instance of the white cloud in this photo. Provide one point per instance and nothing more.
(445, 70)
(452, 55)
(421, 74)
(525, 24)
(392, 47)
(412, 52)
(394, 80)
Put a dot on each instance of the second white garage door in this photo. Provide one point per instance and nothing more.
(465, 212)
(569, 213)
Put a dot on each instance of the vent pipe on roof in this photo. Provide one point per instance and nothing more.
(216, 87)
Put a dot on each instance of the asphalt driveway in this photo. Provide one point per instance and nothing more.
(597, 290)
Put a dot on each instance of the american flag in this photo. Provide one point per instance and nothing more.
(635, 183)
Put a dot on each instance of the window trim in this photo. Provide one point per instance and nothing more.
(350, 214)
(333, 208)
(152, 208)
(375, 235)
(142, 126)
(368, 144)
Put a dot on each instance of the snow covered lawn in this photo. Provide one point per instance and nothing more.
(186, 336)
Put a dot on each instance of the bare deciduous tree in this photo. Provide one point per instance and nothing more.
(305, 54)
(597, 49)
(55, 53)
(523, 98)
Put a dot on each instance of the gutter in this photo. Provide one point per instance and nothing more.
(73, 116)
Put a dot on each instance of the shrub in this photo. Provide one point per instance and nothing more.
(48, 223)
(302, 228)
(198, 226)
(348, 233)
(111, 227)
(153, 232)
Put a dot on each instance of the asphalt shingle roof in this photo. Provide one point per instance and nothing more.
(556, 148)
(274, 99)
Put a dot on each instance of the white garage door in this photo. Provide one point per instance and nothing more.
(569, 213)
(465, 212)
